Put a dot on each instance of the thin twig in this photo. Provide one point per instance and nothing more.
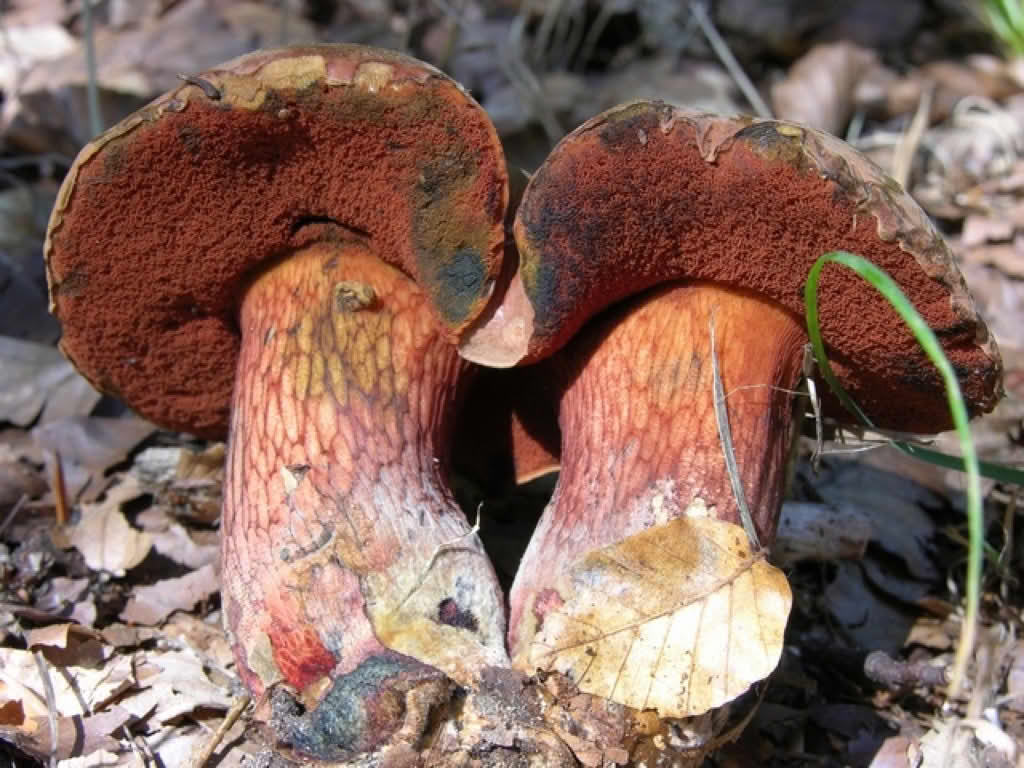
(721, 49)
(725, 436)
(140, 758)
(60, 491)
(285, 13)
(1006, 555)
(200, 759)
(92, 88)
(18, 505)
(510, 62)
(903, 159)
(51, 704)
(812, 393)
(586, 53)
(546, 30)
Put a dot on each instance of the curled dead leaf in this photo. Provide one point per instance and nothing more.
(819, 89)
(104, 537)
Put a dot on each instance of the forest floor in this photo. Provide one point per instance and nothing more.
(110, 627)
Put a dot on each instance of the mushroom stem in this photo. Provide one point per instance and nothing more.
(640, 444)
(349, 572)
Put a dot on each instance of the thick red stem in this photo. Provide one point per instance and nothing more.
(348, 570)
(640, 444)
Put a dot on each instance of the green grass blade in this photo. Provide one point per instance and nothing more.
(930, 344)
(1001, 473)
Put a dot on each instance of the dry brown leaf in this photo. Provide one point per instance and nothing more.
(32, 376)
(88, 446)
(948, 743)
(175, 683)
(820, 532)
(1008, 258)
(931, 633)
(78, 690)
(207, 637)
(154, 603)
(103, 535)
(67, 645)
(178, 545)
(866, 618)
(102, 758)
(892, 753)
(980, 229)
(819, 89)
(696, 619)
(76, 736)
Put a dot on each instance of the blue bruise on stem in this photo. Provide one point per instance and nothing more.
(340, 722)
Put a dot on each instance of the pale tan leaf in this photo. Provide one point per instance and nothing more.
(178, 545)
(154, 603)
(819, 89)
(681, 618)
(76, 736)
(78, 690)
(66, 645)
(32, 376)
(104, 537)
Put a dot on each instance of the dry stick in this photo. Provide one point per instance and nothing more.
(812, 393)
(881, 668)
(545, 32)
(911, 140)
(134, 747)
(92, 88)
(18, 505)
(573, 35)
(51, 704)
(516, 70)
(1008, 549)
(725, 436)
(60, 492)
(604, 15)
(721, 49)
(200, 758)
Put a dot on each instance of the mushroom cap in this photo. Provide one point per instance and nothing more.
(165, 218)
(646, 193)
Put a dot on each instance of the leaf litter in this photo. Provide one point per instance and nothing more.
(121, 601)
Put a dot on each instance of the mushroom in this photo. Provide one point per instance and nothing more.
(284, 250)
(656, 246)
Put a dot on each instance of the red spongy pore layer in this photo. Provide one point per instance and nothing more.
(168, 222)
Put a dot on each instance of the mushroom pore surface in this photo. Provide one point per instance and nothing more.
(164, 217)
(647, 192)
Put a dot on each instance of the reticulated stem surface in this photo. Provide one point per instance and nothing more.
(640, 444)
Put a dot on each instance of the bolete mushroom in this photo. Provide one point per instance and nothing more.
(659, 247)
(284, 249)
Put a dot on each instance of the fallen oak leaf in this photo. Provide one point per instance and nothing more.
(67, 645)
(78, 690)
(104, 537)
(696, 619)
(77, 735)
(153, 604)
